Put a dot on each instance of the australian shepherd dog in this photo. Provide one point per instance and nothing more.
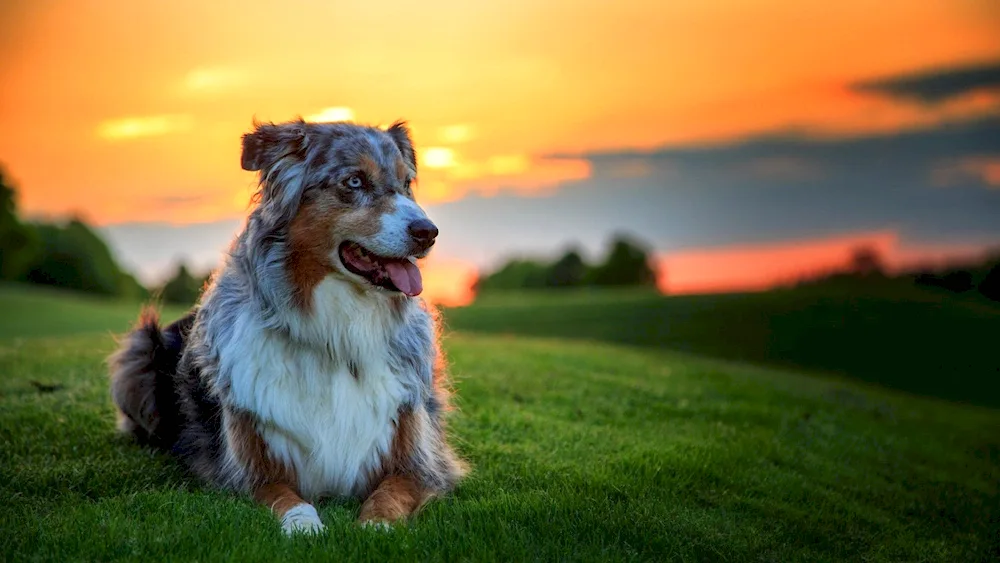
(309, 367)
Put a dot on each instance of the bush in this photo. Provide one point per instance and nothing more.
(74, 257)
(957, 281)
(568, 271)
(516, 274)
(989, 286)
(71, 255)
(131, 289)
(627, 264)
(183, 288)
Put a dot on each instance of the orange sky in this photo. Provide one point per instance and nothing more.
(757, 267)
(132, 111)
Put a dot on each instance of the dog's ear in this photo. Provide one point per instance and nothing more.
(400, 134)
(269, 142)
(253, 152)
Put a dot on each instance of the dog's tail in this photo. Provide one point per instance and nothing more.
(142, 379)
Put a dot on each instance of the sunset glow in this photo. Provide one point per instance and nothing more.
(132, 112)
(758, 267)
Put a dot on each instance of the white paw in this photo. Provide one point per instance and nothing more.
(301, 519)
(377, 525)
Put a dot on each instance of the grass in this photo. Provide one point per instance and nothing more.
(38, 311)
(924, 342)
(582, 451)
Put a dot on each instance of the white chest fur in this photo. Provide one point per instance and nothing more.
(327, 400)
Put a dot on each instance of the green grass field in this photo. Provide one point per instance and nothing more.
(583, 449)
(924, 342)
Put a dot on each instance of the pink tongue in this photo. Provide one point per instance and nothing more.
(405, 276)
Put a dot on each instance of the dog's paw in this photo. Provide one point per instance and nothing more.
(301, 519)
(376, 524)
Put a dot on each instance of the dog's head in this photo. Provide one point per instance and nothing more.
(342, 194)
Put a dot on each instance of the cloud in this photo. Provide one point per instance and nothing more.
(786, 157)
(985, 169)
(143, 126)
(456, 134)
(938, 85)
(332, 114)
(212, 80)
(178, 200)
(759, 190)
(437, 157)
(447, 175)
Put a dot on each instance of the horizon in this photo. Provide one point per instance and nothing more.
(746, 144)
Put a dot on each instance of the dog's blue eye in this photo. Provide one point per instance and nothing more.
(355, 182)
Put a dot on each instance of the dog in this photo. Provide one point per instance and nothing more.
(309, 367)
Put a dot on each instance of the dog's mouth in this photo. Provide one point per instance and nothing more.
(396, 274)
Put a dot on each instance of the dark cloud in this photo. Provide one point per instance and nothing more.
(765, 189)
(936, 86)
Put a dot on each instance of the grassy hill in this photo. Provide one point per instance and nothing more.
(927, 342)
(582, 451)
(32, 311)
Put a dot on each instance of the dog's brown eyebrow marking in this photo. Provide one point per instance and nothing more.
(370, 167)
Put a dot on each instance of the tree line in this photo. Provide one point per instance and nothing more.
(627, 263)
(69, 254)
(72, 255)
(866, 266)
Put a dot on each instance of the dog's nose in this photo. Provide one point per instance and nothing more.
(423, 231)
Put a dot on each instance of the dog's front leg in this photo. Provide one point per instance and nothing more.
(396, 497)
(272, 483)
(295, 514)
(419, 466)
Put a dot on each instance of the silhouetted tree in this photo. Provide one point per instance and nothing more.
(568, 271)
(516, 274)
(958, 281)
(865, 261)
(183, 288)
(73, 256)
(989, 286)
(927, 279)
(627, 264)
(69, 255)
(18, 242)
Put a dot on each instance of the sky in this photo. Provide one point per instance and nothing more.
(747, 143)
